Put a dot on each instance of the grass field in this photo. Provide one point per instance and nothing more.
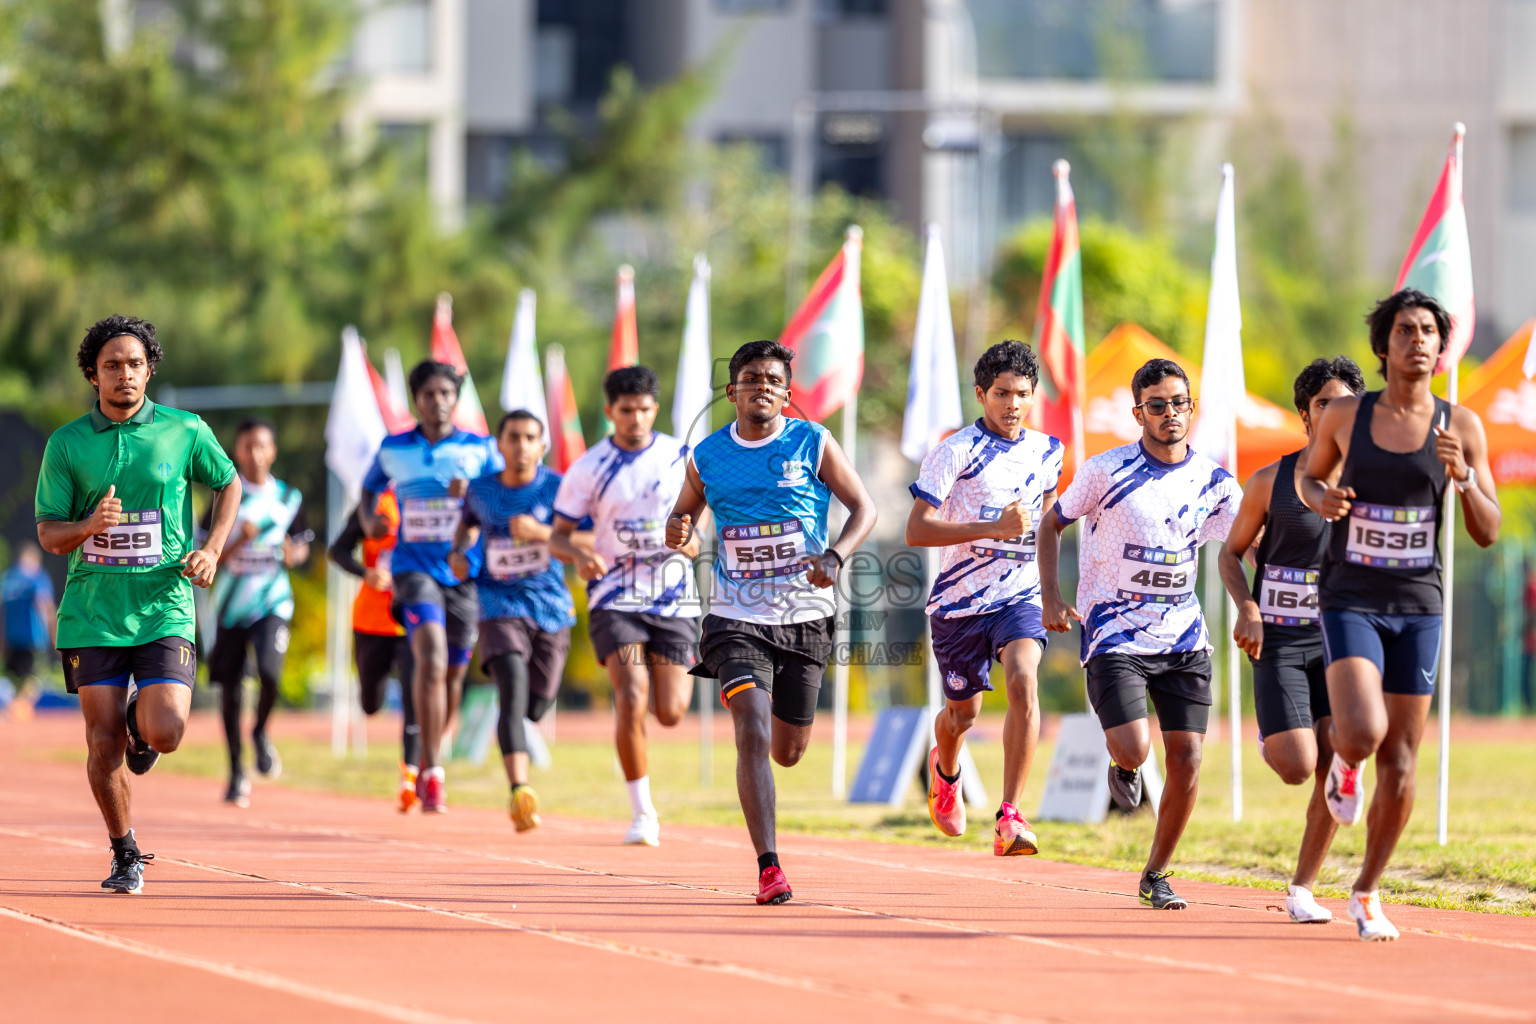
(1489, 865)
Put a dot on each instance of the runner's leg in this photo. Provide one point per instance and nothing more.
(1182, 751)
(230, 692)
(1317, 837)
(270, 643)
(410, 728)
(751, 713)
(631, 686)
(1129, 744)
(1359, 712)
(510, 673)
(106, 737)
(162, 708)
(671, 689)
(1293, 754)
(1397, 757)
(429, 648)
(1021, 726)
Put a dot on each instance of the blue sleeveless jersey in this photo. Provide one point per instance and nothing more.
(518, 581)
(770, 508)
(421, 472)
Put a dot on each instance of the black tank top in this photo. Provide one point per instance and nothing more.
(1290, 563)
(1384, 557)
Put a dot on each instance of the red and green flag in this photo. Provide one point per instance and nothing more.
(566, 442)
(1058, 338)
(470, 415)
(1439, 262)
(827, 336)
(624, 344)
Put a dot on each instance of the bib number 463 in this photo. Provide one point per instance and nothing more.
(1161, 579)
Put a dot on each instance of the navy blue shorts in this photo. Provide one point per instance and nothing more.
(1404, 648)
(965, 647)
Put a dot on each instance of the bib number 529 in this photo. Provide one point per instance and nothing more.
(136, 541)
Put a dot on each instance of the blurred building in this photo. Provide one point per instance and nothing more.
(888, 92)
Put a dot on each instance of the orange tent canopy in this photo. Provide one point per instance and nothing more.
(1264, 430)
(1499, 393)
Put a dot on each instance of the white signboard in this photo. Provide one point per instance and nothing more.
(1077, 784)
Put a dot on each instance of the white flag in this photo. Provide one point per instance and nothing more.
(933, 383)
(692, 395)
(354, 429)
(1529, 366)
(522, 385)
(1222, 388)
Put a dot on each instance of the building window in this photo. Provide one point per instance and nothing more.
(837, 10)
(395, 37)
(1157, 40)
(1522, 169)
(752, 6)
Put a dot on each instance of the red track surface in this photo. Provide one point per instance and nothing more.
(325, 908)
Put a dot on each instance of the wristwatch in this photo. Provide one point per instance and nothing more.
(1463, 486)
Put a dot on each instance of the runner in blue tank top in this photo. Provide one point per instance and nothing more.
(1278, 626)
(1378, 472)
(768, 636)
(431, 466)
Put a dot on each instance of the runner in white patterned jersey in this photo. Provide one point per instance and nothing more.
(1277, 623)
(1146, 509)
(978, 498)
(642, 601)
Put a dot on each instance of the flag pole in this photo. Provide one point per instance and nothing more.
(840, 646)
(1448, 560)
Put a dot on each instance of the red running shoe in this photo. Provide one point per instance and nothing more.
(946, 804)
(433, 790)
(1012, 836)
(772, 887)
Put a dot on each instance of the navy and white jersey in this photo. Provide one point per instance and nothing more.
(770, 507)
(1143, 523)
(971, 476)
(253, 581)
(628, 496)
(518, 580)
(421, 472)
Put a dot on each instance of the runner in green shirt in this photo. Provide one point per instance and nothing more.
(114, 494)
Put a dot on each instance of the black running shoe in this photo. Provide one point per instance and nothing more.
(127, 872)
(1158, 894)
(268, 764)
(239, 791)
(141, 757)
(1124, 786)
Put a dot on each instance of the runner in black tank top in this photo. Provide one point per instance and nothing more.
(1278, 624)
(1378, 471)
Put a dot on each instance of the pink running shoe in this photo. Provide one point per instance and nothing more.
(773, 887)
(945, 805)
(1012, 836)
(433, 790)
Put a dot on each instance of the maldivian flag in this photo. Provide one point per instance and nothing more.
(827, 336)
(397, 418)
(566, 443)
(1439, 262)
(624, 345)
(1058, 340)
(470, 415)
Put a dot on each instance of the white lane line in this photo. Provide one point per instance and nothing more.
(261, 979)
(894, 1000)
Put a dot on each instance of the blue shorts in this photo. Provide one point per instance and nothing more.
(965, 647)
(1404, 648)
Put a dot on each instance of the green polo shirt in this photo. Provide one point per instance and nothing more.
(125, 587)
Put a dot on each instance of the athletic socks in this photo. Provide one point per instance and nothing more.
(640, 796)
(767, 860)
(124, 844)
(951, 779)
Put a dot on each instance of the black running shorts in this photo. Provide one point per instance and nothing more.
(544, 652)
(786, 661)
(673, 637)
(1290, 687)
(170, 658)
(267, 638)
(1179, 685)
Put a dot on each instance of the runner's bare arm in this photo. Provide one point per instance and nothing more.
(926, 530)
(1465, 446)
(368, 516)
(1252, 514)
(1320, 490)
(201, 565)
(576, 549)
(527, 530)
(1054, 611)
(838, 474)
(464, 537)
(682, 524)
(60, 538)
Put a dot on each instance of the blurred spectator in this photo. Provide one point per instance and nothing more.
(29, 622)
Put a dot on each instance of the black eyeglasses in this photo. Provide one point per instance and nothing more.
(1158, 406)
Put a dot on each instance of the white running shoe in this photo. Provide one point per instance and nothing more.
(1344, 792)
(1304, 909)
(1365, 908)
(645, 830)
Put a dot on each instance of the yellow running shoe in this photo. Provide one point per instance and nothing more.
(406, 794)
(525, 808)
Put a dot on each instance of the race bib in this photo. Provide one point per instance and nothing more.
(1288, 597)
(642, 537)
(507, 559)
(138, 540)
(1155, 575)
(429, 520)
(763, 550)
(255, 560)
(1391, 536)
(1021, 549)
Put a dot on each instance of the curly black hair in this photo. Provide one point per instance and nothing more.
(1380, 320)
(1155, 371)
(429, 368)
(631, 380)
(117, 326)
(1319, 372)
(1007, 357)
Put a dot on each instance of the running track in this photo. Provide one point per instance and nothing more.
(325, 908)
